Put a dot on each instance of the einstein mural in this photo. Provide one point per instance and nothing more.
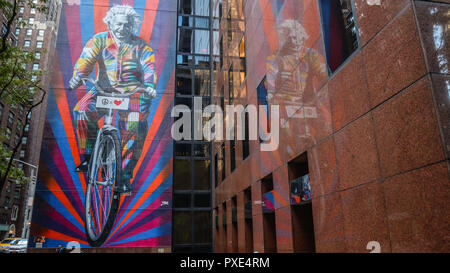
(105, 176)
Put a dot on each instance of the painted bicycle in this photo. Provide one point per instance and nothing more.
(105, 183)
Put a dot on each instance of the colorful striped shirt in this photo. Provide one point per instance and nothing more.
(123, 68)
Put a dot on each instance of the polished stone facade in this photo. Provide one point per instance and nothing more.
(378, 145)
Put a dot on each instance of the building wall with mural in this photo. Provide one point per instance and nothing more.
(83, 194)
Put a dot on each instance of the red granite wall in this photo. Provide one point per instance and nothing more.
(378, 149)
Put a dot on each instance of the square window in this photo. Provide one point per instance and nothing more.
(39, 44)
(26, 43)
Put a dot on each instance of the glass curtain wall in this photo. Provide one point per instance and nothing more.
(192, 209)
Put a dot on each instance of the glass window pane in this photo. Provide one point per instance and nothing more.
(185, 21)
(202, 42)
(202, 7)
(182, 149)
(202, 200)
(201, 175)
(184, 101)
(181, 227)
(202, 227)
(182, 200)
(185, 40)
(201, 22)
(182, 174)
(202, 83)
(184, 82)
(201, 150)
(340, 32)
(186, 60)
(186, 6)
(202, 61)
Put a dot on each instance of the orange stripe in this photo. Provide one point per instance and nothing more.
(51, 234)
(153, 186)
(148, 20)
(164, 104)
(100, 9)
(54, 187)
(63, 107)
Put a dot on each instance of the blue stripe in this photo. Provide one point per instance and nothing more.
(63, 144)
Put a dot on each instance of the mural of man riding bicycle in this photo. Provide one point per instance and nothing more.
(105, 176)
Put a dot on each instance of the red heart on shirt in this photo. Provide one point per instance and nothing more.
(117, 102)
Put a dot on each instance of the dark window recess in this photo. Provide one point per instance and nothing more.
(216, 167)
(299, 180)
(234, 215)
(246, 141)
(340, 31)
(248, 220)
(224, 216)
(223, 162)
(232, 155)
(301, 209)
(234, 226)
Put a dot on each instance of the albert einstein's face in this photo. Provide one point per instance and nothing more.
(122, 27)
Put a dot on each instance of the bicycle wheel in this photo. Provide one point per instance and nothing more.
(102, 202)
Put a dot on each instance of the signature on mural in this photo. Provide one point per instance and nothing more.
(121, 94)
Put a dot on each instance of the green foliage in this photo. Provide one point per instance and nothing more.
(15, 173)
(19, 83)
(16, 77)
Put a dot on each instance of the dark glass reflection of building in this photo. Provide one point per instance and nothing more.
(192, 207)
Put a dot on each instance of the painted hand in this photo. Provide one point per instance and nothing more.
(75, 82)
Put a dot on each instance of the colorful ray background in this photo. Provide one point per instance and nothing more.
(144, 218)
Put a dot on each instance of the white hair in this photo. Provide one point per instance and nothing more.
(125, 10)
(291, 26)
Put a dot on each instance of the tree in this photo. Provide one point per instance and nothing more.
(19, 85)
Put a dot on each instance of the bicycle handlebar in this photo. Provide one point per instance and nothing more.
(104, 93)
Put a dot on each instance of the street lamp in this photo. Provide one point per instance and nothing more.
(29, 198)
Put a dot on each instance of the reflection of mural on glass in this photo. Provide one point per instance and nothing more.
(300, 190)
(295, 69)
(106, 164)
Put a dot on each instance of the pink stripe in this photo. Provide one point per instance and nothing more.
(160, 241)
(72, 13)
